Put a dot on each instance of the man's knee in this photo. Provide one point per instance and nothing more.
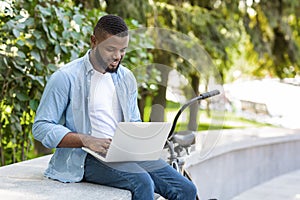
(188, 191)
(143, 183)
(142, 187)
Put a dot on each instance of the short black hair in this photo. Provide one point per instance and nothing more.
(111, 24)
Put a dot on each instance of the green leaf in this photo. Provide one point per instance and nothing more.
(57, 49)
(41, 44)
(10, 24)
(36, 55)
(52, 67)
(45, 11)
(65, 34)
(20, 42)
(63, 47)
(33, 104)
(16, 33)
(74, 55)
(21, 54)
(22, 96)
(17, 107)
(20, 61)
(38, 66)
(78, 19)
(45, 28)
(20, 26)
(29, 21)
(58, 12)
(85, 30)
(75, 35)
(37, 34)
(18, 127)
(30, 42)
(53, 34)
(133, 59)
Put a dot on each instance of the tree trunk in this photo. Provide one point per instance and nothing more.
(135, 9)
(162, 61)
(193, 119)
(1, 149)
(88, 4)
(142, 102)
(159, 100)
(208, 113)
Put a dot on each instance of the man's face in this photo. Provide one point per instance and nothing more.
(110, 51)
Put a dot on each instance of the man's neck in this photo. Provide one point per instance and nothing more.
(95, 64)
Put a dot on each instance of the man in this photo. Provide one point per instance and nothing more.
(81, 106)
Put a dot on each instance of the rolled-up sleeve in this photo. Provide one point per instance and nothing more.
(48, 126)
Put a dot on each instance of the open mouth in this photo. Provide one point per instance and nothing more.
(114, 64)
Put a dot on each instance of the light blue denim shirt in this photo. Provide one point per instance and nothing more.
(64, 108)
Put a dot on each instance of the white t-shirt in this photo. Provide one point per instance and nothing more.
(104, 107)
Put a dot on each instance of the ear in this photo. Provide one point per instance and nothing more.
(93, 41)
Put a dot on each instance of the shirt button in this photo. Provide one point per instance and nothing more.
(81, 166)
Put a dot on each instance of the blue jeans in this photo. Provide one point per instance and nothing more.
(141, 178)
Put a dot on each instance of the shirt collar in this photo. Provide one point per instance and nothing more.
(87, 63)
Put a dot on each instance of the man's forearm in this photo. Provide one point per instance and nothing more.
(72, 140)
(78, 140)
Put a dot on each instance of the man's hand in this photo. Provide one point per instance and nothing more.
(78, 140)
(99, 145)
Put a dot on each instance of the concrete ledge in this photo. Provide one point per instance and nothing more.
(225, 164)
(25, 180)
(242, 159)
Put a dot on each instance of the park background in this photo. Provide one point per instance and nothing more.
(252, 47)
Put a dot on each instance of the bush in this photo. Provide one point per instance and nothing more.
(36, 37)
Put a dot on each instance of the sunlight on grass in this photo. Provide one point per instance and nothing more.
(217, 120)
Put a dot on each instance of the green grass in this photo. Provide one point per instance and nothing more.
(217, 120)
(230, 121)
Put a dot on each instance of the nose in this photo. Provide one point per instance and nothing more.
(117, 55)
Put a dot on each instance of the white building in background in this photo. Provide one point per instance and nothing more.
(273, 101)
(176, 84)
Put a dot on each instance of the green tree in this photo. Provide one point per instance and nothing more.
(274, 32)
(206, 27)
(213, 29)
(36, 38)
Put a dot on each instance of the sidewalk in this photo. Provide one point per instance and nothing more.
(284, 187)
(282, 158)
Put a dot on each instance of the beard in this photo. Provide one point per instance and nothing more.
(103, 64)
(112, 70)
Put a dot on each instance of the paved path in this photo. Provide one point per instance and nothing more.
(284, 187)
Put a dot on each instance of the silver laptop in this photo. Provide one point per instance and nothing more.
(136, 141)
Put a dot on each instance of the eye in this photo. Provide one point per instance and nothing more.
(123, 50)
(110, 49)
